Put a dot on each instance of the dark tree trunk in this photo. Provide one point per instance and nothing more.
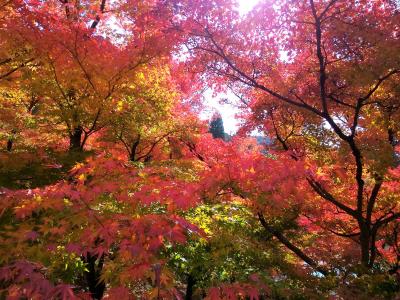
(189, 287)
(75, 139)
(10, 141)
(96, 286)
(365, 238)
(9, 144)
(132, 155)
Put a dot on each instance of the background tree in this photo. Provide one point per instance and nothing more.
(216, 126)
(143, 119)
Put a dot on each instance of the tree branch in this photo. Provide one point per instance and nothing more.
(291, 246)
(329, 197)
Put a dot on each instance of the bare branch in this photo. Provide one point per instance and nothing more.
(296, 250)
(329, 197)
(25, 63)
(378, 84)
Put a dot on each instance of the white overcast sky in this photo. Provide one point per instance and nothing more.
(213, 103)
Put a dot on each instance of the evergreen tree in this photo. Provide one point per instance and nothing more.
(217, 126)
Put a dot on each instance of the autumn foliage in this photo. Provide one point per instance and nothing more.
(112, 187)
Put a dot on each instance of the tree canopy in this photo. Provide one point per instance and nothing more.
(112, 187)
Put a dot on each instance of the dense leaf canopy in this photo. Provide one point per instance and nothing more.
(112, 187)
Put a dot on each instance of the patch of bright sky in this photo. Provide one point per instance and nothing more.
(213, 103)
(246, 5)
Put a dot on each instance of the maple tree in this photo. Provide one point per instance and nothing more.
(111, 186)
(321, 78)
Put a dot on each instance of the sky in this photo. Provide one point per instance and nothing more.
(246, 5)
(227, 111)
